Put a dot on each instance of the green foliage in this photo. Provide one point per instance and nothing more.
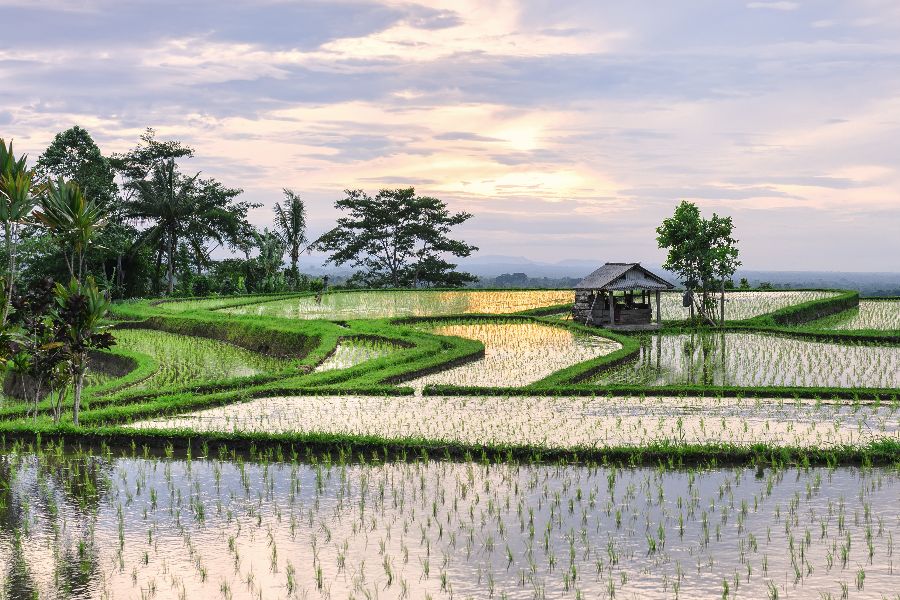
(74, 156)
(186, 209)
(79, 323)
(16, 202)
(701, 251)
(290, 223)
(417, 229)
(72, 221)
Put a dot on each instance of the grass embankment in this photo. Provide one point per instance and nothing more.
(356, 448)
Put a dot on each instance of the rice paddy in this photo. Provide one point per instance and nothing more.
(753, 359)
(871, 314)
(102, 526)
(743, 305)
(312, 486)
(377, 305)
(178, 306)
(184, 359)
(557, 423)
(516, 354)
(352, 352)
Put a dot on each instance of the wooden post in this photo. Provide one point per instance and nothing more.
(658, 316)
(612, 308)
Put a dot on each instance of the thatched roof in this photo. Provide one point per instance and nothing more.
(623, 276)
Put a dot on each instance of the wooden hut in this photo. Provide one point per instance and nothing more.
(618, 296)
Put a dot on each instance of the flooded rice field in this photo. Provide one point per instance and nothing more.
(516, 354)
(871, 314)
(352, 352)
(100, 526)
(185, 359)
(376, 305)
(565, 422)
(743, 305)
(753, 359)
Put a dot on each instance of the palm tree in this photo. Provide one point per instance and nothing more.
(271, 255)
(16, 202)
(72, 221)
(290, 223)
(185, 210)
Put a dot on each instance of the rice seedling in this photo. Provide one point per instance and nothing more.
(743, 305)
(516, 354)
(371, 305)
(352, 352)
(871, 314)
(188, 359)
(557, 423)
(753, 359)
(178, 306)
(77, 524)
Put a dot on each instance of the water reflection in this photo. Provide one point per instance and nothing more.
(753, 359)
(163, 527)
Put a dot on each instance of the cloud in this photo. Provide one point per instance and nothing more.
(774, 5)
(566, 129)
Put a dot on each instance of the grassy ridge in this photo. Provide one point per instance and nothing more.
(368, 448)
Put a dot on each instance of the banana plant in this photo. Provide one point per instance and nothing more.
(16, 203)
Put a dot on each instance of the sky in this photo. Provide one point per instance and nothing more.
(568, 129)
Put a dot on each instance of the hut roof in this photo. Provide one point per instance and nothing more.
(623, 276)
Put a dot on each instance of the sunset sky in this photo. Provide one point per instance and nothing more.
(569, 129)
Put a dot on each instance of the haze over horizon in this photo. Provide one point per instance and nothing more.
(569, 131)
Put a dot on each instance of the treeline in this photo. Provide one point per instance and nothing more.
(162, 224)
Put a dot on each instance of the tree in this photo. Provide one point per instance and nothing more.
(139, 162)
(397, 238)
(702, 252)
(72, 221)
(186, 209)
(80, 327)
(270, 259)
(290, 223)
(16, 202)
(74, 156)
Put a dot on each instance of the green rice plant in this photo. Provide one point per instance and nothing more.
(398, 303)
(185, 359)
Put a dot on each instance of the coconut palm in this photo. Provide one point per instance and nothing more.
(290, 223)
(187, 210)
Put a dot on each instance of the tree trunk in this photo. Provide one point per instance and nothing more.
(171, 269)
(722, 304)
(157, 273)
(10, 276)
(76, 401)
(120, 276)
(295, 258)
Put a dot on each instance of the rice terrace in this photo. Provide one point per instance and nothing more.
(428, 300)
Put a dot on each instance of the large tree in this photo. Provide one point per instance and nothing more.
(74, 156)
(290, 224)
(398, 239)
(186, 209)
(703, 253)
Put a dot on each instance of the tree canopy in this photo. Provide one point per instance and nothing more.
(74, 156)
(702, 252)
(397, 239)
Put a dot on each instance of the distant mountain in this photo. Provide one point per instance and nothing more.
(869, 284)
(562, 273)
